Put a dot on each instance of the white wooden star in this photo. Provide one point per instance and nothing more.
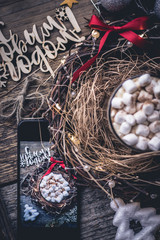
(132, 211)
(2, 83)
(30, 214)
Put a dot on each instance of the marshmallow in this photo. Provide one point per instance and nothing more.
(156, 90)
(158, 106)
(67, 188)
(157, 134)
(117, 103)
(116, 127)
(65, 184)
(155, 127)
(154, 116)
(120, 93)
(144, 80)
(142, 143)
(53, 199)
(140, 117)
(48, 199)
(52, 194)
(127, 98)
(129, 86)
(59, 198)
(150, 87)
(45, 195)
(120, 117)
(142, 130)
(113, 113)
(130, 139)
(57, 176)
(125, 128)
(130, 119)
(65, 193)
(139, 106)
(130, 109)
(144, 96)
(148, 108)
(154, 144)
(55, 185)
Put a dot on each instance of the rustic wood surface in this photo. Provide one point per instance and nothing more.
(96, 215)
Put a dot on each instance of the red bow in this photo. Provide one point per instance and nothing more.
(125, 31)
(54, 162)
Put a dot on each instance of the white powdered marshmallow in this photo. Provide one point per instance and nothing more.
(157, 134)
(130, 119)
(48, 199)
(53, 199)
(150, 87)
(154, 144)
(130, 109)
(154, 116)
(142, 130)
(144, 80)
(125, 128)
(117, 103)
(120, 117)
(120, 93)
(142, 143)
(54, 187)
(113, 112)
(65, 184)
(148, 108)
(156, 91)
(144, 96)
(116, 127)
(139, 106)
(130, 139)
(65, 193)
(129, 86)
(155, 127)
(140, 117)
(59, 198)
(127, 98)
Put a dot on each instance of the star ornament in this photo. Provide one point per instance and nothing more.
(69, 2)
(125, 213)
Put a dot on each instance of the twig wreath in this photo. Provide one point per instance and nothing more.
(80, 130)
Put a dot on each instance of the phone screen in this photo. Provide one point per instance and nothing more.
(47, 203)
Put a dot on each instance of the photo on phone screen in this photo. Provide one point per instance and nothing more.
(47, 195)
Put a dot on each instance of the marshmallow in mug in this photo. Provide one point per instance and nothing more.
(136, 108)
(54, 188)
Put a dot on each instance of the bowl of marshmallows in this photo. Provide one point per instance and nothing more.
(134, 113)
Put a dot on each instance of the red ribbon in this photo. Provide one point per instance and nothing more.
(125, 31)
(54, 162)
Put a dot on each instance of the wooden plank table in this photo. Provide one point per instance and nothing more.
(96, 216)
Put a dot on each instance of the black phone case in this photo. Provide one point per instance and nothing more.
(37, 130)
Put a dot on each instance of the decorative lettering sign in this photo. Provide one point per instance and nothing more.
(34, 158)
(14, 52)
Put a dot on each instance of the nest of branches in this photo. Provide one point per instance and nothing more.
(30, 185)
(80, 129)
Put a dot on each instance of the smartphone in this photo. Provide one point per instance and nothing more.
(41, 213)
